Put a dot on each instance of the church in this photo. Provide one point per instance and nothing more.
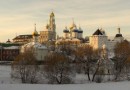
(49, 33)
(40, 50)
(45, 35)
(73, 32)
(72, 35)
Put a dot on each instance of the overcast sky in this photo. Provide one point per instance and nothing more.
(18, 16)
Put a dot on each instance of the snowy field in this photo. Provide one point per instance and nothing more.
(90, 86)
(6, 83)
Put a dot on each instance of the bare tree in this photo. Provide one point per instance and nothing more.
(25, 67)
(65, 47)
(127, 68)
(88, 57)
(122, 52)
(57, 69)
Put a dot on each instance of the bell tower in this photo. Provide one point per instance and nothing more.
(35, 34)
(52, 25)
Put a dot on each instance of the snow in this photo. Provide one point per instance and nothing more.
(35, 45)
(12, 47)
(90, 86)
(5, 75)
(6, 83)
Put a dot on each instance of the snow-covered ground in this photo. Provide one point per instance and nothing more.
(6, 83)
(90, 86)
(5, 75)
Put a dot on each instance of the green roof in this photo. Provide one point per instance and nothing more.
(8, 44)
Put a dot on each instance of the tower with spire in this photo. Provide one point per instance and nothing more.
(35, 34)
(119, 37)
(49, 33)
(52, 25)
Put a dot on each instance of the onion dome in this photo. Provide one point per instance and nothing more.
(66, 30)
(72, 26)
(75, 29)
(35, 33)
(52, 14)
(80, 30)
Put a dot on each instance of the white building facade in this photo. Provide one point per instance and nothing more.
(99, 38)
(40, 51)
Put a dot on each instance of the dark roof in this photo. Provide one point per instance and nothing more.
(97, 32)
(75, 30)
(66, 31)
(80, 31)
(118, 35)
(23, 37)
(8, 41)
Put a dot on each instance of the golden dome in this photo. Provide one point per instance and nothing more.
(52, 14)
(72, 26)
(47, 26)
(35, 33)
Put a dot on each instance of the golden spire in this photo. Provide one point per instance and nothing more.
(52, 14)
(73, 24)
(35, 26)
(35, 33)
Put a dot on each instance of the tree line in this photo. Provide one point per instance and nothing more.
(60, 67)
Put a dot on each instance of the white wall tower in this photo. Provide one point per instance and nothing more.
(98, 39)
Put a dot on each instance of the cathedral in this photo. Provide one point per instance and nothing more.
(71, 36)
(40, 51)
(73, 32)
